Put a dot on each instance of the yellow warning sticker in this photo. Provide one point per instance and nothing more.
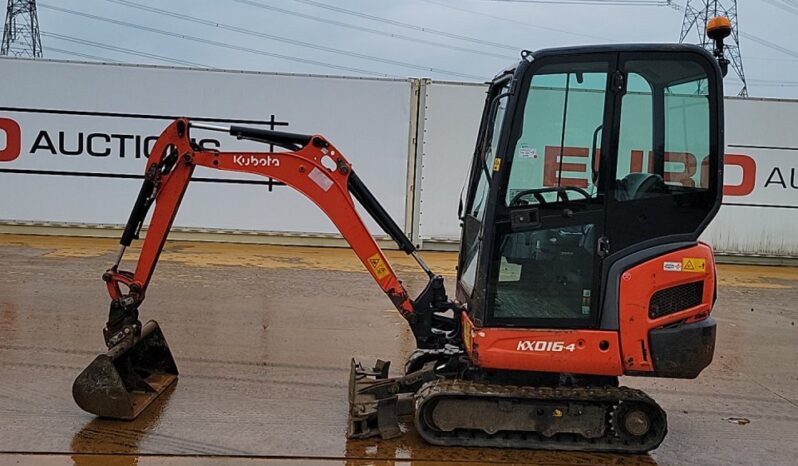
(497, 164)
(691, 264)
(378, 266)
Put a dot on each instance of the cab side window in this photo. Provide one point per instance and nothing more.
(561, 134)
(663, 145)
(475, 212)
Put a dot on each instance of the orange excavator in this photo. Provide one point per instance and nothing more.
(595, 171)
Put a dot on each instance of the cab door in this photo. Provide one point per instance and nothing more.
(543, 263)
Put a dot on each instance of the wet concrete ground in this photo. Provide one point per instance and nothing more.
(263, 336)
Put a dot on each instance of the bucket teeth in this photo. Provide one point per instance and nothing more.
(121, 383)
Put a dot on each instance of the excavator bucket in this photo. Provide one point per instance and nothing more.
(121, 383)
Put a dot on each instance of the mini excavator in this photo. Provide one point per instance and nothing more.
(595, 171)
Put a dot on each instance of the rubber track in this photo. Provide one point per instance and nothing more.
(610, 397)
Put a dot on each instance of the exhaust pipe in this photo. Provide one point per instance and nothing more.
(121, 383)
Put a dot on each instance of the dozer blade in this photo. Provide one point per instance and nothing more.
(121, 383)
(376, 401)
(372, 411)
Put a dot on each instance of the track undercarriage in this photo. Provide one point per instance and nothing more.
(451, 404)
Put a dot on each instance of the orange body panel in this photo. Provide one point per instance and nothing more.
(594, 352)
(640, 282)
(600, 352)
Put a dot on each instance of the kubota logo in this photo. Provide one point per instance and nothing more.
(9, 130)
(256, 161)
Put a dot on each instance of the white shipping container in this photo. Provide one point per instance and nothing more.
(83, 129)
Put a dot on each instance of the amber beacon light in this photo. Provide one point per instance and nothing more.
(719, 28)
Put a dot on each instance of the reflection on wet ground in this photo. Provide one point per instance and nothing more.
(263, 347)
(410, 448)
(106, 436)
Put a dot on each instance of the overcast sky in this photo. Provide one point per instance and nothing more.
(458, 40)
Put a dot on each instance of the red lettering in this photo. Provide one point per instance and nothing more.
(689, 164)
(13, 139)
(685, 176)
(748, 166)
(636, 163)
(552, 164)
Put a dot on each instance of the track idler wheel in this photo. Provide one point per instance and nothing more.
(125, 380)
(637, 422)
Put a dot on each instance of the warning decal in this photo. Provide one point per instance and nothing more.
(497, 164)
(378, 266)
(691, 264)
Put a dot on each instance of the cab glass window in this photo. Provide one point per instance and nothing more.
(664, 136)
(561, 135)
(475, 212)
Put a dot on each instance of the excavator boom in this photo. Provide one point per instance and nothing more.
(136, 375)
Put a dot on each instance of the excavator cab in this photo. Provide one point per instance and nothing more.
(591, 161)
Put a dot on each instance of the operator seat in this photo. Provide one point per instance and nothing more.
(640, 185)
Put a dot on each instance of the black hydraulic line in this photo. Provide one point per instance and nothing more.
(290, 141)
(138, 213)
(378, 213)
(296, 141)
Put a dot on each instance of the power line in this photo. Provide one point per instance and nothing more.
(215, 43)
(299, 43)
(769, 44)
(589, 2)
(114, 48)
(772, 83)
(784, 6)
(329, 21)
(81, 55)
(510, 20)
(414, 27)
(771, 59)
